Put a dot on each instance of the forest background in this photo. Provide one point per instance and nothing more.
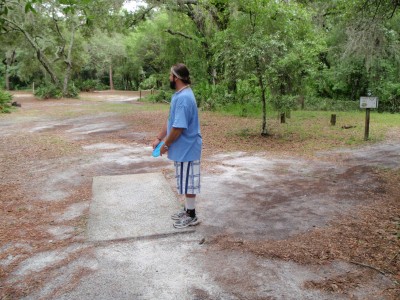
(253, 55)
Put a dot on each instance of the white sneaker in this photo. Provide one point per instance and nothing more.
(186, 221)
(178, 215)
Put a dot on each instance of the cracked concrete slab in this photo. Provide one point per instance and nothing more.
(131, 206)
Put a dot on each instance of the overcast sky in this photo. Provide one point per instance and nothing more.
(133, 5)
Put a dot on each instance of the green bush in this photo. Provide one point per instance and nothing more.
(5, 102)
(284, 103)
(91, 85)
(72, 92)
(48, 91)
(161, 96)
(52, 91)
(212, 97)
(247, 92)
(149, 83)
(389, 98)
(325, 104)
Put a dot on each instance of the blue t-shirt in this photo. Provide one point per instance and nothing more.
(184, 114)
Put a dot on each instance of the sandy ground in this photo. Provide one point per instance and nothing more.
(273, 226)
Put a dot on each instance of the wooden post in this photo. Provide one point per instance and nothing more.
(366, 133)
(333, 119)
(302, 102)
(283, 118)
(140, 94)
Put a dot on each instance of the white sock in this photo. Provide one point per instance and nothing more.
(190, 203)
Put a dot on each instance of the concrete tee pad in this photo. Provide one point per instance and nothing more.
(131, 206)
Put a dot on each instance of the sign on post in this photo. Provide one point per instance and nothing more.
(368, 103)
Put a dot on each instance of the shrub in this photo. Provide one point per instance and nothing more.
(149, 83)
(284, 103)
(389, 99)
(48, 91)
(52, 91)
(161, 96)
(5, 102)
(72, 92)
(325, 104)
(247, 91)
(91, 85)
(212, 97)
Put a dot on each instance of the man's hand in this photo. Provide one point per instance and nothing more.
(155, 143)
(164, 149)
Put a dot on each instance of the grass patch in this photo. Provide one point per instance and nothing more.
(303, 133)
(349, 128)
(250, 110)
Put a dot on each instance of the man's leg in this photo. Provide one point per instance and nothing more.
(190, 205)
(188, 184)
(190, 218)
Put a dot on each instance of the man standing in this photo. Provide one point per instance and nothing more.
(183, 143)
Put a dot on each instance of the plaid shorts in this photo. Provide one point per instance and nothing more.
(187, 176)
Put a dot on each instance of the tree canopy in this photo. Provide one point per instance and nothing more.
(276, 53)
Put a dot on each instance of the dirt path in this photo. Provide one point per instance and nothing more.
(273, 226)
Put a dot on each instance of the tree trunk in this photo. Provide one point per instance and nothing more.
(7, 79)
(301, 100)
(8, 61)
(283, 118)
(111, 77)
(69, 63)
(264, 131)
(39, 53)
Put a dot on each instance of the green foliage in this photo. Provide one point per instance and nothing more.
(243, 102)
(239, 52)
(247, 91)
(149, 83)
(51, 91)
(327, 104)
(161, 96)
(91, 85)
(48, 91)
(72, 92)
(284, 102)
(5, 102)
(389, 99)
(212, 97)
(245, 110)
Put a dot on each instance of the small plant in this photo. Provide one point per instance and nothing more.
(72, 92)
(5, 102)
(48, 91)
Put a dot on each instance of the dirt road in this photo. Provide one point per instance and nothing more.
(273, 226)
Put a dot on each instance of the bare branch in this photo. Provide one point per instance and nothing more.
(140, 16)
(179, 33)
(370, 267)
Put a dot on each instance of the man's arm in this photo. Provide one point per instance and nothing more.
(160, 136)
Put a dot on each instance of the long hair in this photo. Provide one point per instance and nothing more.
(182, 72)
